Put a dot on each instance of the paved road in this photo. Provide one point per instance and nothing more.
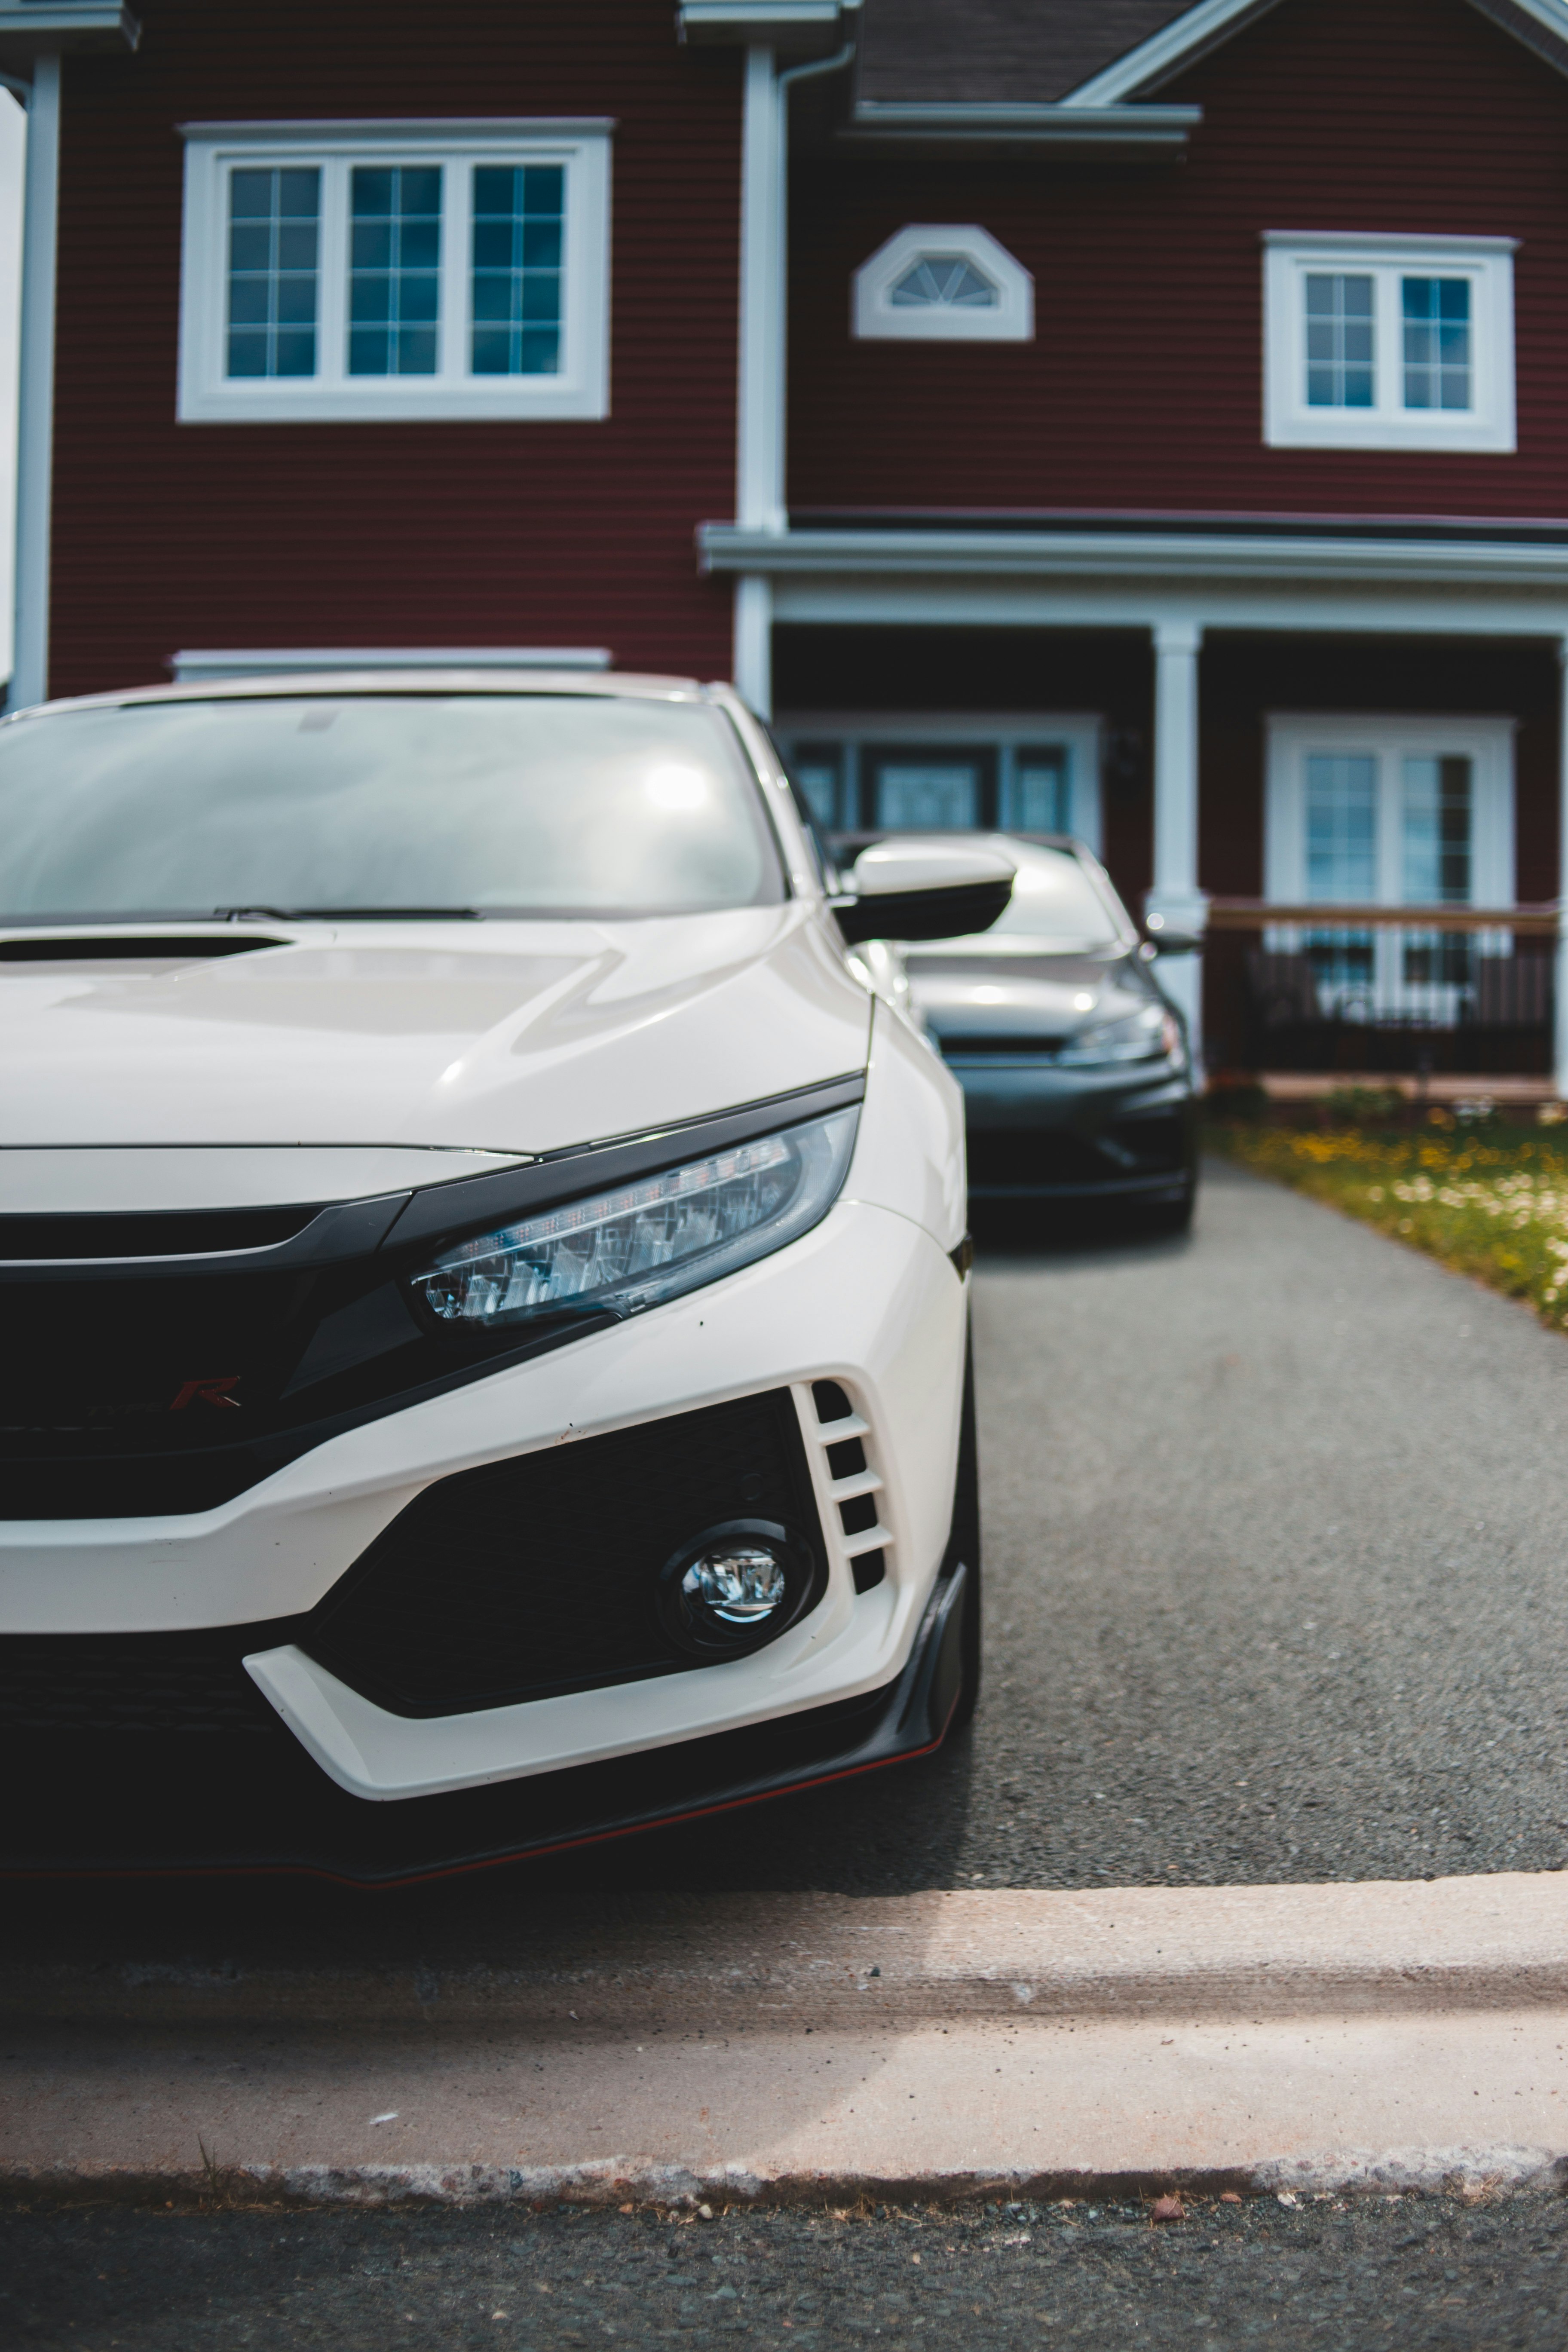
(1433, 2272)
(1276, 1523)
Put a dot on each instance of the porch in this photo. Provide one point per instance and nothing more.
(1332, 753)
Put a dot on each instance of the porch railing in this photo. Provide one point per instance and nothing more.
(1383, 989)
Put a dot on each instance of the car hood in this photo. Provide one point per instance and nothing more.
(499, 1037)
(1033, 995)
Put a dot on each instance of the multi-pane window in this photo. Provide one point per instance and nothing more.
(394, 268)
(903, 772)
(1401, 344)
(273, 243)
(1379, 812)
(1439, 799)
(1341, 345)
(518, 249)
(1436, 318)
(390, 271)
(944, 278)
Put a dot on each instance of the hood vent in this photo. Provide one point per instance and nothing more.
(132, 947)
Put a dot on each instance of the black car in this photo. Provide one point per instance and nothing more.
(1075, 1065)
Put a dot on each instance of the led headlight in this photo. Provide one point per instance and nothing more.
(1147, 1036)
(647, 1242)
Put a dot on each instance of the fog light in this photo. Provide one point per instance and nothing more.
(741, 1584)
(735, 1587)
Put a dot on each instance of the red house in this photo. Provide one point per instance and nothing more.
(1161, 438)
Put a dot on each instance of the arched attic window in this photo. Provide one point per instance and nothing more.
(935, 284)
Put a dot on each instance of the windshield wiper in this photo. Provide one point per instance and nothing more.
(349, 914)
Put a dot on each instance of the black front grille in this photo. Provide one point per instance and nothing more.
(539, 1574)
(527, 1577)
(991, 1048)
(90, 1683)
(1008, 1157)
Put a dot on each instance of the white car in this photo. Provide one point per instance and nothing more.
(484, 1276)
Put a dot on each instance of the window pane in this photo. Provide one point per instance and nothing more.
(516, 258)
(928, 796)
(1340, 355)
(816, 773)
(943, 281)
(1437, 354)
(395, 260)
(273, 271)
(1037, 796)
(1342, 826)
(1439, 804)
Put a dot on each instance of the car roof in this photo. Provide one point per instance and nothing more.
(613, 686)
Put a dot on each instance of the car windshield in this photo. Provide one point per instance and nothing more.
(468, 804)
(1054, 904)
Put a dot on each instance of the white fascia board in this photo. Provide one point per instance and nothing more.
(194, 667)
(1412, 249)
(1189, 36)
(428, 130)
(30, 29)
(1181, 558)
(768, 24)
(925, 125)
(1180, 43)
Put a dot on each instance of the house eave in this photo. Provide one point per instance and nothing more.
(33, 29)
(922, 128)
(805, 29)
(1178, 557)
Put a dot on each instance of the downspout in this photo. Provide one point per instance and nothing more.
(36, 388)
(763, 339)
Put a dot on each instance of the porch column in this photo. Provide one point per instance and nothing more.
(1560, 993)
(1175, 903)
(36, 388)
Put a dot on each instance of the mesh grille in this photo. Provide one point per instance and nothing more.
(538, 1574)
(130, 1682)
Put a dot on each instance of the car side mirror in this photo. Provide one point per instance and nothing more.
(924, 887)
(1162, 941)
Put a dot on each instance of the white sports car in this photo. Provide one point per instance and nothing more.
(484, 1276)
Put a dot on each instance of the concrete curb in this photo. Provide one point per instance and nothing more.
(782, 1962)
(616, 2183)
(1296, 2039)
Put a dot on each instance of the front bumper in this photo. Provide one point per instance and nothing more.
(261, 1805)
(1036, 1131)
(867, 1299)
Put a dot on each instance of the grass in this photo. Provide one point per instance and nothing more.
(1485, 1200)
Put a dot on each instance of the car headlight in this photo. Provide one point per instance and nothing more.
(620, 1251)
(1150, 1034)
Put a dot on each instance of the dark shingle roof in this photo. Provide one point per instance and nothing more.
(1023, 50)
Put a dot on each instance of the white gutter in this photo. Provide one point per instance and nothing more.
(36, 387)
(763, 348)
(1182, 556)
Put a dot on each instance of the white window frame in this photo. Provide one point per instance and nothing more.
(874, 318)
(1080, 734)
(1487, 427)
(581, 387)
(1488, 743)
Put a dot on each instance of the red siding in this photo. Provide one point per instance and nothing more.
(167, 535)
(1142, 389)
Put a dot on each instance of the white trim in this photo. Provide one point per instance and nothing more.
(1173, 44)
(1388, 738)
(1006, 733)
(759, 421)
(875, 316)
(444, 130)
(1485, 262)
(581, 388)
(36, 389)
(198, 667)
(1189, 37)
